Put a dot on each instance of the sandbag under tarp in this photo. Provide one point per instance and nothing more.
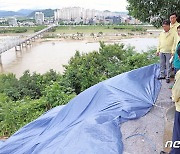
(1, 142)
(89, 123)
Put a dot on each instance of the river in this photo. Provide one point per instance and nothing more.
(43, 56)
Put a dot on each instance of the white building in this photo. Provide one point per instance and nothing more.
(77, 14)
(39, 18)
(2, 20)
(12, 22)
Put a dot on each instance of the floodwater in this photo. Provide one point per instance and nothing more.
(141, 44)
(43, 56)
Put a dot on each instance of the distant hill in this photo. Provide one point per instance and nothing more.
(122, 12)
(10, 13)
(47, 13)
(107, 11)
(25, 12)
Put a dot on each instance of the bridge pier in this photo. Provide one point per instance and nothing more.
(19, 53)
(28, 42)
(20, 47)
(33, 39)
(24, 44)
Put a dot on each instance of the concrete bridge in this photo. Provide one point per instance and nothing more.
(20, 43)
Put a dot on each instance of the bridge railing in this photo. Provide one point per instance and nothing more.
(13, 42)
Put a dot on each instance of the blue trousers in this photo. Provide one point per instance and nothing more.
(176, 132)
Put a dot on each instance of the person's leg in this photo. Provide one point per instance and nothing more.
(168, 67)
(176, 132)
(172, 69)
(175, 71)
(162, 64)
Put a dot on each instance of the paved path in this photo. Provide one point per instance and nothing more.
(148, 131)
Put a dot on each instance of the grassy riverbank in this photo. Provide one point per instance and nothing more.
(20, 30)
(96, 29)
(86, 29)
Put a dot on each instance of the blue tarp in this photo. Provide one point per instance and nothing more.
(1, 142)
(89, 123)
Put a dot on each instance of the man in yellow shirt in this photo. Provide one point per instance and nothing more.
(165, 49)
(176, 128)
(176, 99)
(174, 24)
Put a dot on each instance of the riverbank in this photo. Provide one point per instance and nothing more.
(68, 29)
(107, 37)
(88, 33)
(78, 32)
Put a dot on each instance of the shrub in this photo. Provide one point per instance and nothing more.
(28, 85)
(20, 30)
(55, 95)
(9, 85)
(14, 115)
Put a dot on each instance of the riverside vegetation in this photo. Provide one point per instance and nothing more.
(23, 100)
(74, 29)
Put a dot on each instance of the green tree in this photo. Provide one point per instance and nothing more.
(85, 70)
(29, 97)
(20, 30)
(28, 85)
(100, 34)
(154, 11)
(56, 94)
(9, 86)
(14, 115)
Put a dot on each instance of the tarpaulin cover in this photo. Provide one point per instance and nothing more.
(89, 123)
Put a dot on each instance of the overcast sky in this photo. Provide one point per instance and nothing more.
(112, 5)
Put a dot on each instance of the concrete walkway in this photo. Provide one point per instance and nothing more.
(146, 135)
